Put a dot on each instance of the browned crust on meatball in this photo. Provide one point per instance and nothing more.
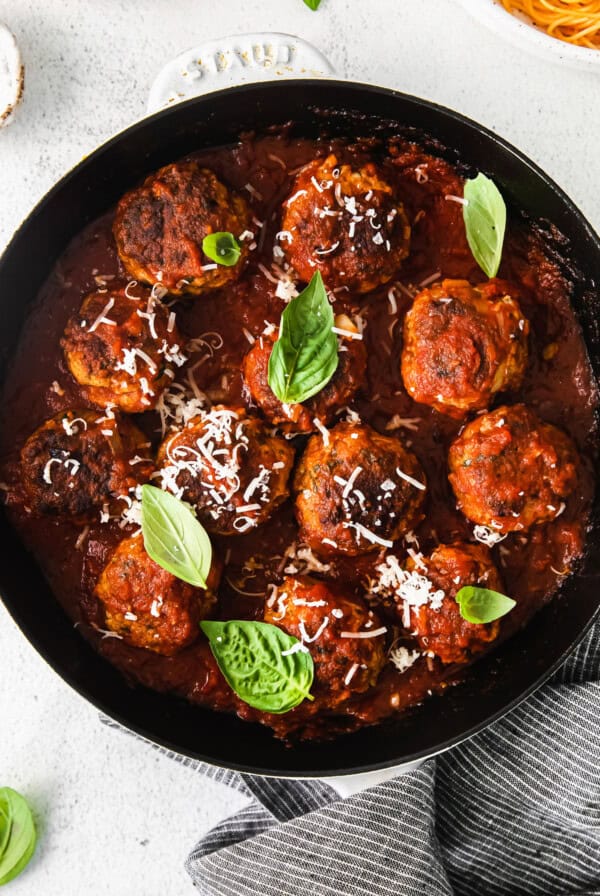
(101, 355)
(462, 345)
(214, 463)
(336, 395)
(443, 632)
(159, 228)
(344, 666)
(146, 605)
(354, 241)
(78, 461)
(379, 499)
(510, 470)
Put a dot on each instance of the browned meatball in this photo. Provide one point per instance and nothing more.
(356, 491)
(462, 345)
(509, 470)
(228, 466)
(338, 392)
(326, 621)
(77, 462)
(146, 605)
(440, 628)
(346, 223)
(159, 228)
(123, 349)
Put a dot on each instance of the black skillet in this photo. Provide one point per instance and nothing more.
(498, 682)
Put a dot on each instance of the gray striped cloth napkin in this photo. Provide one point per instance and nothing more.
(515, 811)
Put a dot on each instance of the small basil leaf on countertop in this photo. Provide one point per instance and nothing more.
(484, 215)
(305, 356)
(174, 538)
(313, 4)
(481, 605)
(222, 248)
(17, 834)
(267, 668)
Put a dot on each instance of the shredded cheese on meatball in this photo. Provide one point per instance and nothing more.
(402, 658)
(411, 589)
(218, 447)
(299, 559)
(487, 536)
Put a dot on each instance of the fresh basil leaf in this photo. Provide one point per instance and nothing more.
(485, 222)
(174, 538)
(305, 356)
(257, 662)
(222, 248)
(5, 825)
(480, 605)
(17, 834)
(313, 4)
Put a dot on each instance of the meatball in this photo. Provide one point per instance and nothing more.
(77, 463)
(146, 605)
(462, 345)
(159, 228)
(123, 349)
(347, 223)
(336, 395)
(228, 466)
(439, 627)
(326, 620)
(510, 470)
(356, 490)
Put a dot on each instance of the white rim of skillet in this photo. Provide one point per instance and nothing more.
(528, 36)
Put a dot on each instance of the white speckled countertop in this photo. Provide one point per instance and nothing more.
(115, 818)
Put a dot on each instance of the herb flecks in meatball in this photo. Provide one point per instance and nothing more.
(346, 640)
(78, 464)
(462, 345)
(346, 223)
(124, 347)
(146, 605)
(227, 465)
(159, 228)
(320, 410)
(510, 470)
(357, 491)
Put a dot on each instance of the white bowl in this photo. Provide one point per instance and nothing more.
(528, 37)
(11, 75)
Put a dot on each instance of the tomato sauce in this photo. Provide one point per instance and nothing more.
(558, 385)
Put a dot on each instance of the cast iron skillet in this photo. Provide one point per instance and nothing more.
(498, 682)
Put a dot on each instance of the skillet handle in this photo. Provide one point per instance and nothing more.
(231, 61)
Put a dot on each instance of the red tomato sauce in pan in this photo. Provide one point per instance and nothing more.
(558, 386)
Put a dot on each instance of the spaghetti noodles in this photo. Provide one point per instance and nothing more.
(574, 21)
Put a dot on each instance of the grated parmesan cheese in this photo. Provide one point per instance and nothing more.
(398, 422)
(402, 658)
(347, 334)
(309, 639)
(351, 673)
(411, 588)
(322, 429)
(459, 199)
(102, 319)
(372, 634)
(409, 479)
(363, 532)
(487, 536)
(299, 558)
